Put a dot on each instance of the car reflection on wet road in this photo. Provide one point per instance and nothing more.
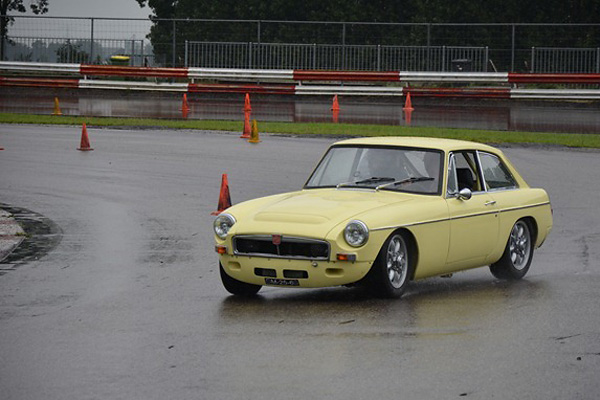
(129, 303)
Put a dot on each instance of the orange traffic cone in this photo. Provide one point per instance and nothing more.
(56, 107)
(247, 106)
(184, 103)
(224, 197)
(336, 105)
(408, 104)
(85, 140)
(254, 135)
(247, 128)
(335, 116)
(408, 116)
(247, 110)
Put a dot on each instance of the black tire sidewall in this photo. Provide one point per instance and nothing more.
(379, 282)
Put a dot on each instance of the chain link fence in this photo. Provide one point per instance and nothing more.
(306, 45)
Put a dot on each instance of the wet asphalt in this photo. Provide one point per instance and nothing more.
(124, 301)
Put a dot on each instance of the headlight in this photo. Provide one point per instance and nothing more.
(223, 224)
(356, 233)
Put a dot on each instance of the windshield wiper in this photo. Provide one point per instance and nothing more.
(407, 180)
(373, 179)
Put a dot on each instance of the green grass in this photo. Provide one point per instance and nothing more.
(330, 129)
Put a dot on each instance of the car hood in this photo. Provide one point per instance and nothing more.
(312, 212)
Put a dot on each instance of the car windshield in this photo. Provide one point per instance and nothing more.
(380, 168)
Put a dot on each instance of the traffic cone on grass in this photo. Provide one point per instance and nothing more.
(85, 140)
(56, 107)
(224, 197)
(408, 104)
(408, 116)
(247, 111)
(184, 103)
(335, 109)
(254, 134)
(336, 105)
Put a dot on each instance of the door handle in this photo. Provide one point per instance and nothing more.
(490, 203)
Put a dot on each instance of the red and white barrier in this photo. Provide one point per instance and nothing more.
(24, 74)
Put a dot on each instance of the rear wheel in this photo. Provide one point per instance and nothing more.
(236, 287)
(391, 271)
(518, 253)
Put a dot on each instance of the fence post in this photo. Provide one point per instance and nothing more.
(428, 63)
(132, 52)
(512, 50)
(598, 60)
(378, 57)
(249, 55)
(314, 58)
(91, 41)
(186, 54)
(343, 46)
(174, 57)
(532, 60)
(443, 58)
(487, 58)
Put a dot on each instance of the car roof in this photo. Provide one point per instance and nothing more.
(420, 142)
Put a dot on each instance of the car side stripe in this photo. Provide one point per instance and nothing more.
(461, 217)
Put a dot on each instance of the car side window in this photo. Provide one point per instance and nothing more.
(467, 171)
(452, 184)
(495, 173)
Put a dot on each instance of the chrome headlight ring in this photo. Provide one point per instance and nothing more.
(356, 233)
(223, 224)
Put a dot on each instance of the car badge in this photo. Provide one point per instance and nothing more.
(276, 240)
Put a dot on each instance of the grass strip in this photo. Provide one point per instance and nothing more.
(329, 129)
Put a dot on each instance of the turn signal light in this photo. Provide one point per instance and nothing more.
(221, 249)
(346, 257)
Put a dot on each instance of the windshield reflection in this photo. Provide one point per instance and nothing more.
(380, 168)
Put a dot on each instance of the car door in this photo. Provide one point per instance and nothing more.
(474, 220)
(502, 186)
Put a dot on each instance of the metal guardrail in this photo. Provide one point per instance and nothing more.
(289, 75)
(320, 90)
(335, 57)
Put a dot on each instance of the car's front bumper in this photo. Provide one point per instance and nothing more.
(291, 272)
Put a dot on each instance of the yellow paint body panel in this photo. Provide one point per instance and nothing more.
(448, 234)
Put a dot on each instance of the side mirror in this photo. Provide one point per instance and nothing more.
(465, 194)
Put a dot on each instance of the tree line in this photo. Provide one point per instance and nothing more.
(375, 14)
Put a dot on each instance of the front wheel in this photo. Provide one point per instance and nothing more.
(236, 287)
(390, 273)
(518, 253)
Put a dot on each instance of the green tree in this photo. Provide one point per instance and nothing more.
(379, 11)
(37, 7)
(71, 53)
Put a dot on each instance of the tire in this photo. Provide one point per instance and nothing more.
(236, 287)
(517, 255)
(392, 270)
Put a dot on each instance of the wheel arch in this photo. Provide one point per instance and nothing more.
(411, 242)
(533, 226)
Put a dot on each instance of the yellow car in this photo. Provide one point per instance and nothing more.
(382, 212)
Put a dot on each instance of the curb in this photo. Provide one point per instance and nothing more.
(11, 234)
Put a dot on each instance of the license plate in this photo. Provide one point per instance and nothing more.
(282, 282)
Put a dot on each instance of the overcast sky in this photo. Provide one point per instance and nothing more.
(97, 8)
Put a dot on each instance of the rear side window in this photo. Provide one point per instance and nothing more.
(495, 173)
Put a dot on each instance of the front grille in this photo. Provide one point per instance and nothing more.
(290, 247)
